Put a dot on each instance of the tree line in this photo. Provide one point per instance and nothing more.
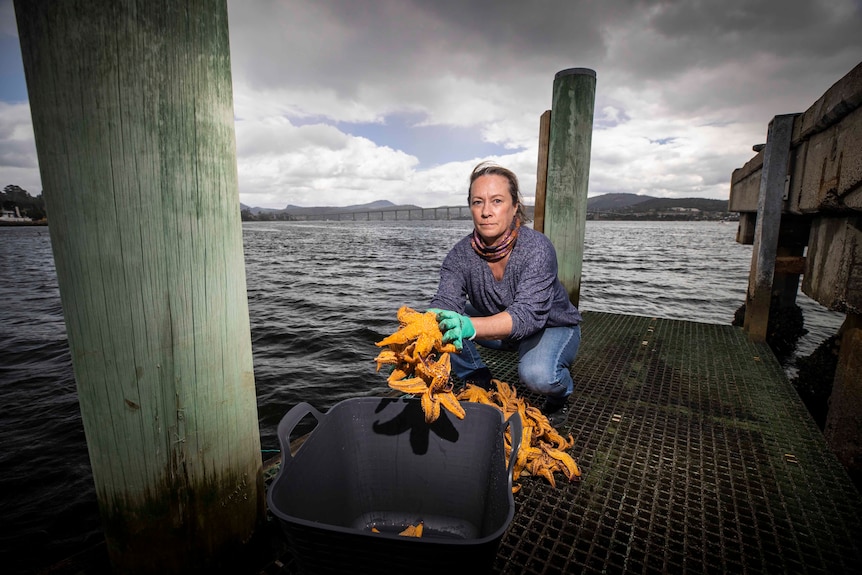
(247, 215)
(14, 196)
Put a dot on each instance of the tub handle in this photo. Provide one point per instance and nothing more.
(515, 431)
(290, 420)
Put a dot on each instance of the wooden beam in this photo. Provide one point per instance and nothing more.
(775, 164)
(794, 265)
(542, 172)
(825, 169)
(834, 262)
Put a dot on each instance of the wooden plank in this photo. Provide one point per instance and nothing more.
(833, 274)
(789, 265)
(745, 186)
(826, 164)
(542, 172)
(831, 176)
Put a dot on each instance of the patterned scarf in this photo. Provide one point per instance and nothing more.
(503, 248)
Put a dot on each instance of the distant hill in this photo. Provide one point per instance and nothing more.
(606, 206)
(638, 207)
(614, 202)
(290, 209)
(637, 204)
(369, 207)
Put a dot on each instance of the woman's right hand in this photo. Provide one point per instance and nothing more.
(454, 327)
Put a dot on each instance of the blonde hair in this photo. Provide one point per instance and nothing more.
(492, 169)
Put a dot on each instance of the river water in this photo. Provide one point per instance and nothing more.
(320, 295)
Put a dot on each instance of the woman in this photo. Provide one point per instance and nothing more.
(509, 275)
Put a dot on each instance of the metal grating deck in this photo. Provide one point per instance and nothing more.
(697, 456)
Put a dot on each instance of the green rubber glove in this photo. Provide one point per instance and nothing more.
(455, 327)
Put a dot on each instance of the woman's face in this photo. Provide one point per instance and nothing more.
(492, 207)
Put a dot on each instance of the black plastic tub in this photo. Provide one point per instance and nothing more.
(375, 463)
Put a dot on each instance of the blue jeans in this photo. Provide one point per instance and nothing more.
(544, 359)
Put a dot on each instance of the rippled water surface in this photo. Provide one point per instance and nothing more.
(320, 294)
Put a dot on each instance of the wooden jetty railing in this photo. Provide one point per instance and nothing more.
(800, 205)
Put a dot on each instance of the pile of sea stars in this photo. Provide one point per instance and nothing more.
(421, 367)
(421, 362)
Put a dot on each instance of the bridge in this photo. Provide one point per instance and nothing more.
(395, 213)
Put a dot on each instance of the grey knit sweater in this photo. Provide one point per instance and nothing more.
(530, 290)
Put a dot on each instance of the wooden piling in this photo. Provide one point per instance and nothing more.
(133, 116)
(542, 172)
(570, 142)
(843, 426)
(775, 166)
(820, 209)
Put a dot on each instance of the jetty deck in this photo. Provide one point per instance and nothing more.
(697, 456)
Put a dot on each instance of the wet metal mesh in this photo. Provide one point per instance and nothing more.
(696, 457)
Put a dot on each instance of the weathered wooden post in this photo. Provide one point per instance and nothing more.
(819, 208)
(542, 172)
(775, 164)
(834, 278)
(570, 142)
(843, 426)
(133, 116)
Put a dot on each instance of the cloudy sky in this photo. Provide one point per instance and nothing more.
(343, 102)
